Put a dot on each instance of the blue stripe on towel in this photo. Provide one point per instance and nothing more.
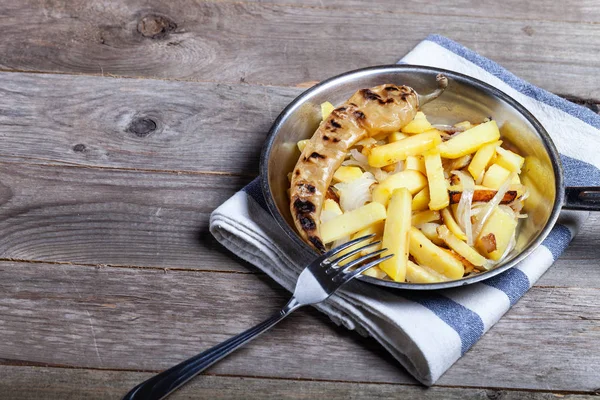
(254, 190)
(579, 173)
(557, 240)
(465, 322)
(513, 282)
(526, 88)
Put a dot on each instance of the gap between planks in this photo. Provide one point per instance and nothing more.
(304, 85)
(19, 363)
(166, 270)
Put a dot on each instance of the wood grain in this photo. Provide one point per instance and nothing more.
(580, 11)
(136, 124)
(148, 320)
(278, 44)
(158, 219)
(30, 383)
(140, 124)
(98, 216)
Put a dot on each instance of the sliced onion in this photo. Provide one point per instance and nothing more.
(463, 211)
(358, 156)
(360, 160)
(366, 142)
(399, 167)
(355, 193)
(379, 174)
(489, 207)
(448, 128)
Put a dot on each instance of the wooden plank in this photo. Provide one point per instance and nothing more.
(118, 217)
(575, 11)
(151, 219)
(136, 124)
(97, 216)
(148, 320)
(578, 266)
(141, 124)
(279, 44)
(30, 383)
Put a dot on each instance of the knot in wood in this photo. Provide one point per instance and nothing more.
(155, 26)
(142, 127)
(79, 148)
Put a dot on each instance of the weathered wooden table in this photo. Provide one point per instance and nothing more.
(125, 123)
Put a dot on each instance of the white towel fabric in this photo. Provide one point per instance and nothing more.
(428, 331)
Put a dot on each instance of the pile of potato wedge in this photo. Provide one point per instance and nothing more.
(414, 203)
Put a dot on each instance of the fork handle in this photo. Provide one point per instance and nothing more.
(166, 382)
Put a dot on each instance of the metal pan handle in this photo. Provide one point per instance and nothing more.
(582, 198)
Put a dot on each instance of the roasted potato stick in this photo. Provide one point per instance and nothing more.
(495, 176)
(415, 163)
(395, 235)
(376, 228)
(424, 217)
(483, 196)
(397, 151)
(421, 200)
(482, 159)
(469, 141)
(396, 136)
(438, 188)
(429, 229)
(375, 272)
(412, 180)
(419, 124)
(421, 274)
(352, 221)
(346, 174)
(460, 247)
(452, 225)
(427, 253)
(496, 234)
(509, 160)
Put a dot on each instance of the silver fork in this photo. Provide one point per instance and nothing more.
(316, 283)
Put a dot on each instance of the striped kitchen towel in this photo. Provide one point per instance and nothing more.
(428, 331)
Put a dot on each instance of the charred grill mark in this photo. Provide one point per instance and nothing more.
(297, 172)
(317, 243)
(341, 109)
(316, 155)
(369, 95)
(391, 88)
(335, 140)
(325, 137)
(307, 223)
(307, 187)
(304, 207)
(359, 115)
(334, 123)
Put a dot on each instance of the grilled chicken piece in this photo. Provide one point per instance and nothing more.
(384, 108)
